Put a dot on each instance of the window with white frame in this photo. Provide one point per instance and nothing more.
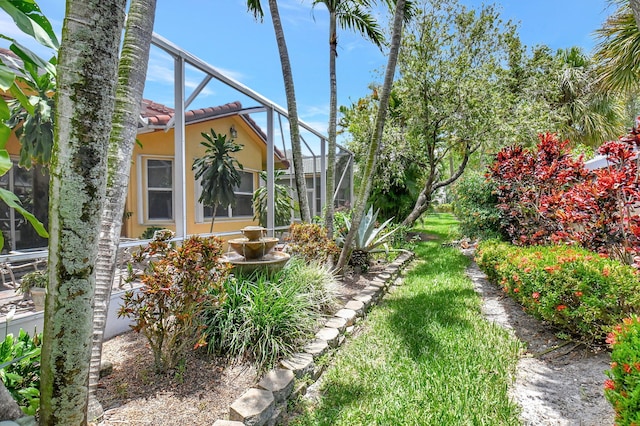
(243, 193)
(158, 188)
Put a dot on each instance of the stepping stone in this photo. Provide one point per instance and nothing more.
(337, 323)
(378, 283)
(366, 299)
(384, 276)
(347, 314)
(329, 335)
(375, 292)
(279, 382)
(227, 423)
(254, 407)
(300, 364)
(355, 305)
(316, 348)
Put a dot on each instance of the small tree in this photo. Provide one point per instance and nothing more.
(282, 202)
(219, 171)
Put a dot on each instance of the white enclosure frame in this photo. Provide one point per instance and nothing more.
(181, 58)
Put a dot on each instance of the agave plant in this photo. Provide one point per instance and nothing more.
(367, 238)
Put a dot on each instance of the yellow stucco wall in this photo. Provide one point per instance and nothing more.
(160, 144)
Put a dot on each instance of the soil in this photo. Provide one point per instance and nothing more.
(196, 393)
(557, 383)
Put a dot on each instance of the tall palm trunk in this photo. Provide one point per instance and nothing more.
(635, 8)
(376, 138)
(87, 71)
(131, 79)
(287, 75)
(333, 112)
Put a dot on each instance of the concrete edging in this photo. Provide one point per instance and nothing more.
(265, 403)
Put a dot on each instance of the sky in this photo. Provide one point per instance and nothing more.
(225, 35)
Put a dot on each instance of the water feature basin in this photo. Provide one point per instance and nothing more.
(254, 251)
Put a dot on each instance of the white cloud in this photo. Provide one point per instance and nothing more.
(316, 110)
(161, 71)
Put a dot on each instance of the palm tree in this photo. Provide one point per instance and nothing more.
(590, 116)
(86, 82)
(351, 14)
(618, 49)
(376, 138)
(218, 170)
(132, 72)
(255, 7)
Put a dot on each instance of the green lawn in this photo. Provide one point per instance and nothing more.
(425, 355)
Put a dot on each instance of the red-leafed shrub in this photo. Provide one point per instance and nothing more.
(547, 196)
(528, 187)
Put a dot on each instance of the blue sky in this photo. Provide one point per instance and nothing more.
(226, 36)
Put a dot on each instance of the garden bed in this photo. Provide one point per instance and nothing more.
(197, 392)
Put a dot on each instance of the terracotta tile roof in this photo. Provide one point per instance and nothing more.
(160, 115)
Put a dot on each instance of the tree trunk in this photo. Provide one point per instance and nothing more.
(213, 216)
(635, 8)
(376, 138)
(287, 75)
(333, 112)
(87, 72)
(426, 195)
(131, 79)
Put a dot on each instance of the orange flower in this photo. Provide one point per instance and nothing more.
(561, 307)
(535, 295)
(627, 368)
(527, 270)
(606, 272)
(578, 293)
(614, 365)
(611, 339)
(609, 384)
(516, 290)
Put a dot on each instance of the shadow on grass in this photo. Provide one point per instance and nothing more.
(419, 320)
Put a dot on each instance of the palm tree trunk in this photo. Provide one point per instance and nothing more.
(333, 112)
(87, 72)
(376, 138)
(287, 75)
(635, 8)
(132, 75)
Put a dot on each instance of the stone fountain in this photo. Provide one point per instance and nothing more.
(254, 251)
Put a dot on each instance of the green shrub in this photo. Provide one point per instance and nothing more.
(622, 389)
(150, 232)
(580, 292)
(20, 369)
(475, 206)
(178, 284)
(265, 318)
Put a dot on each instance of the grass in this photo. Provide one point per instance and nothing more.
(425, 356)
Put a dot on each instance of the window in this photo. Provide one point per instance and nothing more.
(32, 189)
(159, 189)
(243, 193)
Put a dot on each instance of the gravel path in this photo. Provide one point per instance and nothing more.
(562, 386)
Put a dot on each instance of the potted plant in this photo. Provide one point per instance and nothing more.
(34, 284)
